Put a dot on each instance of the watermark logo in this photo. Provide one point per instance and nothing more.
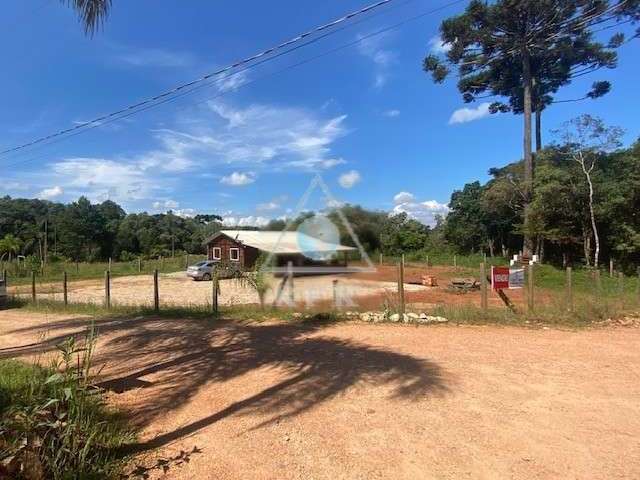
(318, 240)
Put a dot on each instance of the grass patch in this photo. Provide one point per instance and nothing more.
(54, 424)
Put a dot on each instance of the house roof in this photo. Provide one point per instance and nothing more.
(281, 242)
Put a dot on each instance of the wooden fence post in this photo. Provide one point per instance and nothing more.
(598, 283)
(109, 264)
(335, 293)
(107, 289)
(156, 293)
(611, 268)
(64, 288)
(290, 280)
(139, 265)
(621, 288)
(484, 300)
(530, 290)
(620, 283)
(401, 284)
(77, 267)
(380, 259)
(186, 261)
(569, 292)
(214, 294)
(427, 260)
(33, 285)
(455, 261)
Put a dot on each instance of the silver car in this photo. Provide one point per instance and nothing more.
(202, 270)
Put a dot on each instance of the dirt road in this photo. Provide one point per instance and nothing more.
(360, 401)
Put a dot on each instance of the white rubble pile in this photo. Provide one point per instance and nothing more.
(377, 317)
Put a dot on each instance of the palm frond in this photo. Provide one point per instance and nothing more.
(92, 13)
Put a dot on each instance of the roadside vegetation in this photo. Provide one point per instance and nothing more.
(54, 423)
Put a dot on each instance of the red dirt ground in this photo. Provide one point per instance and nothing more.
(361, 401)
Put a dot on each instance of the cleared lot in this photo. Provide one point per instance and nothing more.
(178, 289)
(362, 401)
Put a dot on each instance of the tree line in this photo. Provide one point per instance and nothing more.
(585, 205)
(82, 231)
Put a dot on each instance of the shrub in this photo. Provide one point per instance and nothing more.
(54, 424)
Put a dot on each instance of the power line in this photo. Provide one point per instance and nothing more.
(206, 77)
(250, 82)
(90, 125)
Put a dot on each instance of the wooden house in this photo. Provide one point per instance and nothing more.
(244, 247)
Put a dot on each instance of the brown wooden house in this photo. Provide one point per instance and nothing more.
(244, 247)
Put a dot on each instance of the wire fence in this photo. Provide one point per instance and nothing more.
(546, 293)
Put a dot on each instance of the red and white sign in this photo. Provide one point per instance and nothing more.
(499, 278)
(505, 277)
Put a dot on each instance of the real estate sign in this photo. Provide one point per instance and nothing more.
(504, 277)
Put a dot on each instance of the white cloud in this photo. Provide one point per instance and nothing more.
(102, 179)
(274, 136)
(382, 58)
(403, 197)
(237, 179)
(274, 204)
(214, 137)
(333, 203)
(349, 179)
(167, 204)
(185, 212)
(437, 46)
(153, 57)
(392, 113)
(248, 221)
(49, 193)
(268, 206)
(464, 115)
(424, 212)
(231, 82)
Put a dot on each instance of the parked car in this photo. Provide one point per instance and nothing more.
(202, 270)
(205, 270)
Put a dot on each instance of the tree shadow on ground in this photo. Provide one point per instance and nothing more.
(175, 358)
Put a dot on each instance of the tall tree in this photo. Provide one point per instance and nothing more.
(465, 225)
(500, 48)
(586, 139)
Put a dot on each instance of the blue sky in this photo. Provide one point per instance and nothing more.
(367, 117)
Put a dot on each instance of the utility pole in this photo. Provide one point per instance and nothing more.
(46, 235)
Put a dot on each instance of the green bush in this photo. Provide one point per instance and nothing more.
(54, 424)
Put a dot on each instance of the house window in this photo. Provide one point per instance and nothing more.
(216, 254)
(234, 254)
